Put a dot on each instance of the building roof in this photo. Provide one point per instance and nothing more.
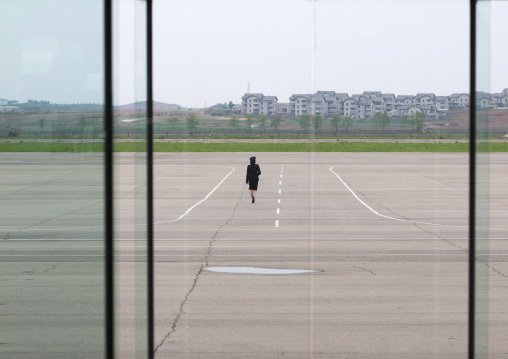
(330, 93)
(420, 95)
(247, 95)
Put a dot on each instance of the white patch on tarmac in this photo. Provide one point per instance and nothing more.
(278, 201)
(256, 270)
(280, 191)
(280, 183)
(277, 223)
(278, 210)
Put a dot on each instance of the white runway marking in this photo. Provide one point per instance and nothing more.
(197, 204)
(382, 215)
(278, 210)
(280, 191)
(280, 183)
(144, 224)
(278, 201)
(277, 223)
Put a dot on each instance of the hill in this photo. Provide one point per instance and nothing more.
(141, 106)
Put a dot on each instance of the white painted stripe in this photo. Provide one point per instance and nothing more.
(382, 215)
(278, 201)
(280, 176)
(280, 183)
(277, 223)
(204, 199)
(278, 210)
(280, 190)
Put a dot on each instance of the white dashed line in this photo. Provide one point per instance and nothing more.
(278, 201)
(277, 223)
(280, 183)
(278, 210)
(280, 191)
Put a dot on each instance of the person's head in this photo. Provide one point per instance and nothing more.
(252, 160)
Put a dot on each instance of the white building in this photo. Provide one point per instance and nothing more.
(258, 104)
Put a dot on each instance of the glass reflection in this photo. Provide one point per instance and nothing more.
(52, 194)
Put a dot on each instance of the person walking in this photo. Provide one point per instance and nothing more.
(253, 172)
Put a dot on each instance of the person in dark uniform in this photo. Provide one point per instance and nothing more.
(253, 172)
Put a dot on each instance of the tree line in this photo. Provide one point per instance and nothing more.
(380, 120)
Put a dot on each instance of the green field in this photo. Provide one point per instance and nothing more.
(254, 147)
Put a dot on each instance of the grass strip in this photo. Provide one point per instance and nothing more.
(255, 147)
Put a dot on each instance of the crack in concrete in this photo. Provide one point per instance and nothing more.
(62, 215)
(388, 209)
(364, 269)
(181, 310)
(492, 268)
(133, 190)
(54, 266)
(463, 249)
(37, 185)
(447, 184)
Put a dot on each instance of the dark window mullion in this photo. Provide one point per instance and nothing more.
(472, 179)
(149, 179)
(108, 178)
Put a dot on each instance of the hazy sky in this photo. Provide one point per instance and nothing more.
(207, 51)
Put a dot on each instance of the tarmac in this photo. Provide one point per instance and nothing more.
(385, 233)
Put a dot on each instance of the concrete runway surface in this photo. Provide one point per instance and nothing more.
(387, 234)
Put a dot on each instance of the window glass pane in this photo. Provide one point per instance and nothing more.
(492, 125)
(130, 178)
(51, 179)
(382, 216)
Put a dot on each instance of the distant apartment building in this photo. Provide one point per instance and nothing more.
(424, 99)
(482, 100)
(404, 100)
(429, 110)
(499, 100)
(299, 104)
(324, 103)
(363, 106)
(441, 103)
(459, 100)
(258, 104)
(283, 108)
